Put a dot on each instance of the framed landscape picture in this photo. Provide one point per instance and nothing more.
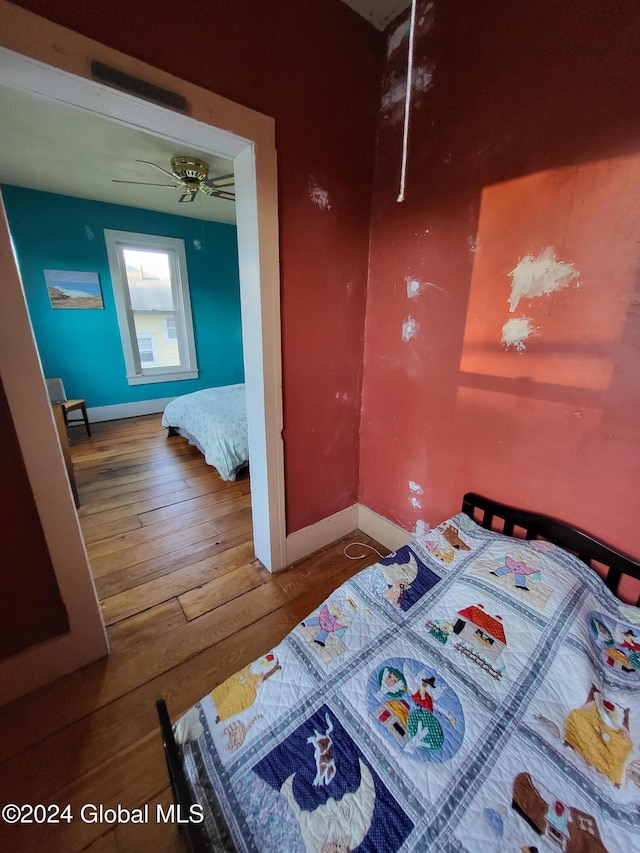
(69, 289)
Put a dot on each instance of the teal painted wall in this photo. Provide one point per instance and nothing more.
(82, 346)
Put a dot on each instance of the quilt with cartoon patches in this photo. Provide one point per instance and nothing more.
(471, 692)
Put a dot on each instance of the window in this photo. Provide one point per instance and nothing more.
(151, 291)
(146, 349)
(484, 638)
(555, 835)
(170, 327)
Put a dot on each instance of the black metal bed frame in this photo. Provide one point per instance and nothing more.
(193, 833)
(490, 515)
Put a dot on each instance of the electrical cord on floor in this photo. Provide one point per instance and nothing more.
(360, 556)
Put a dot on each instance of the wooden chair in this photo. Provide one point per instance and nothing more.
(57, 394)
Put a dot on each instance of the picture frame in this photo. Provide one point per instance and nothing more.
(73, 289)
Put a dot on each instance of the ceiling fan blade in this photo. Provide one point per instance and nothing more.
(145, 184)
(220, 181)
(155, 166)
(218, 192)
(188, 195)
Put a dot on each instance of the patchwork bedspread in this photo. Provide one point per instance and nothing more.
(215, 421)
(471, 692)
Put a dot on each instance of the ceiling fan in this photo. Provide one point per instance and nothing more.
(191, 175)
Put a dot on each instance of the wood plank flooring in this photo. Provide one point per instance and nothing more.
(186, 604)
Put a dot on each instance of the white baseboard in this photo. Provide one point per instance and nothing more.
(127, 410)
(382, 530)
(304, 542)
(316, 536)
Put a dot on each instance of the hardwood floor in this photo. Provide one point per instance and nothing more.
(186, 604)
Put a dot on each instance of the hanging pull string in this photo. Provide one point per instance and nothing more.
(360, 556)
(407, 103)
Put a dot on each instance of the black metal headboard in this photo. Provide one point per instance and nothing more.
(533, 525)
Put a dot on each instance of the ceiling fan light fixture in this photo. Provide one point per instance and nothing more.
(188, 195)
(189, 169)
(192, 177)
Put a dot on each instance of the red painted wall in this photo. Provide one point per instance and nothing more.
(313, 66)
(31, 609)
(525, 136)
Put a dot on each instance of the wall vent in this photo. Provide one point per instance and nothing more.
(135, 86)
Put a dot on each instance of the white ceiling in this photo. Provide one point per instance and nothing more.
(58, 149)
(46, 146)
(379, 12)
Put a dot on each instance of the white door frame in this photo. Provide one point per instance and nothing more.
(40, 58)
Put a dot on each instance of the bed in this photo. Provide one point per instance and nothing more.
(475, 691)
(215, 421)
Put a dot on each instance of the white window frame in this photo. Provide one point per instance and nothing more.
(138, 374)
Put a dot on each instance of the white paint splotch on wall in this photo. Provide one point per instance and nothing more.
(516, 331)
(319, 196)
(397, 36)
(415, 287)
(410, 328)
(415, 490)
(394, 94)
(426, 19)
(537, 276)
(401, 32)
(396, 89)
(423, 78)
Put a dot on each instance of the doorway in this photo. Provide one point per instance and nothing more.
(254, 160)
